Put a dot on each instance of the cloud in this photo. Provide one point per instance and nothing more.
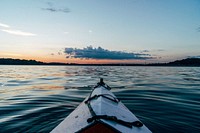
(51, 8)
(154, 50)
(6, 28)
(18, 32)
(4, 25)
(145, 51)
(160, 50)
(100, 53)
(59, 53)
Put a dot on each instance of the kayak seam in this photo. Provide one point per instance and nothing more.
(94, 114)
(115, 119)
(116, 100)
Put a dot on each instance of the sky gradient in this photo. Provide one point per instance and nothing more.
(147, 30)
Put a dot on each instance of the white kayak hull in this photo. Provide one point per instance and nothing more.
(101, 112)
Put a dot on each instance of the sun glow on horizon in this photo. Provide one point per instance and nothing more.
(59, 59)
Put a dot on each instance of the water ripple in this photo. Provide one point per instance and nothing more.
(165, 99)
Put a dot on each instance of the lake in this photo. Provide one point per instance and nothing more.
(38, 98)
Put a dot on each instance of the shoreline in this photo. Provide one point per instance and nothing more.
(189, 62)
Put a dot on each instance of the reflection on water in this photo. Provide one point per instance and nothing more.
(37, 98)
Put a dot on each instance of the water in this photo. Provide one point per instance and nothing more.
(38, 98)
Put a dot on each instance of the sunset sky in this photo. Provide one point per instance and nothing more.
(100, 31)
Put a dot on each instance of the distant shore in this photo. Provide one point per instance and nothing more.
(193, 62)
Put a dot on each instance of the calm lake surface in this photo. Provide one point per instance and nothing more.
(38, 98)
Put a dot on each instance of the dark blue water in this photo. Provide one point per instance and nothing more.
(38, 98)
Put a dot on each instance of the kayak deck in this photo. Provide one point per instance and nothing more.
(101, 112)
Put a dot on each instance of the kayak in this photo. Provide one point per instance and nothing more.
(101, 112)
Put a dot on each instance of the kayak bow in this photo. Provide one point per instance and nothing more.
(101, 112)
